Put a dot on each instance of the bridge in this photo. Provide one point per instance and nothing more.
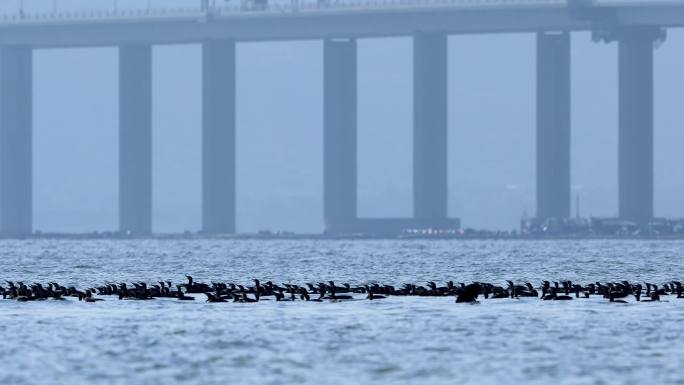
(634, 25)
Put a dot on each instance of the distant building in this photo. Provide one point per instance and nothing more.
(555, 226)
(600, 227)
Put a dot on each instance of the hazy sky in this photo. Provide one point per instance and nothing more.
(491, 132)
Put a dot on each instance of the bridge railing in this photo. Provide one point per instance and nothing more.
(337, 5)
(265, 7)
(252, 7)
(20, 14)
(100, 15)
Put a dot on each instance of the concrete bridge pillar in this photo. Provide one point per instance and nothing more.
(218, 137)
(135, 139)
(635, 152)
(430, 125)
(339, 132)
(16, 141)
(553, 125)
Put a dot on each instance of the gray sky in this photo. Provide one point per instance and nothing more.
(491, 133)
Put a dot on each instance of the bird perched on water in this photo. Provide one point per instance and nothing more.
(469, 293)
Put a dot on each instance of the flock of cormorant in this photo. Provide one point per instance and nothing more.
(616, 292)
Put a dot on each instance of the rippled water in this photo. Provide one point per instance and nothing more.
(394, 341)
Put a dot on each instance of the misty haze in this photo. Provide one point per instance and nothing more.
(371, 192)
(491, 169)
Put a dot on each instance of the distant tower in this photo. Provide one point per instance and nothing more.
(577, 205)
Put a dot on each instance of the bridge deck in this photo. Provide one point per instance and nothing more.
(317, 20)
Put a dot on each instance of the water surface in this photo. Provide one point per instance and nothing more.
(397, 341)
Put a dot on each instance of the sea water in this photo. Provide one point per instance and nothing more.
(399, 340)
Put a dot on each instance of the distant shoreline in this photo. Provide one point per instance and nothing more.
(350, 237)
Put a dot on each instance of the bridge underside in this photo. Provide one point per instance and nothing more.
(635, 138)
(218, 137)
(553, 125)
(429, 148)
(632, 28)
(339, 131)
(16, 141)
(135, 139)
(430, 94)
